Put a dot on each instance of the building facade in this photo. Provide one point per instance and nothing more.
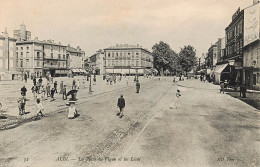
(7, 57)
(213, 56)
(221, 49)
(22, 34)
(251, 59)
(128, 59)
(76, 58)
(97, 62)
(234, 46)
(41, 58)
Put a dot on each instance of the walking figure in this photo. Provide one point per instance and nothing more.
(137, 86)
(121, 106)
(73, 113)
(52, 94)
(39, 107)
(177, 102)
(55, 86)
(61, 87)
(222, 87)
(64, 93)
(48, 89)
(21, 105)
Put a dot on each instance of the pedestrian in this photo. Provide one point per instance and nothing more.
(52, 94)
(121, 106)
(61, 87)
(201, 78)
(177, 101)
(64, 93)
(48, 89)
(137, 86)
(74, 84)
(222, 87)
(34, 91)
(77, 84)
(73, 113)
(21, 105)
(174, 78)
(23, 91)
(43, 92)
(39, 108)
(94, 80)
(204, 78)
(34, 81)
(243, 90)
(25, 78)
(127, 80)
(40, 81)
(55, 86)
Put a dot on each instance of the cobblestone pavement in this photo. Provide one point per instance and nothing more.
(210, 129)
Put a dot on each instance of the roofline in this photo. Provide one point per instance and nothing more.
(127, 48)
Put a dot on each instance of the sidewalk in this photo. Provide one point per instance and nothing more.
(10, 116)
(252, 96)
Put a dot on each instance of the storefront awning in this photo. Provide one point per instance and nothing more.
(221, 68)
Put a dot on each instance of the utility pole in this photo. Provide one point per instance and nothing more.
(199, 63)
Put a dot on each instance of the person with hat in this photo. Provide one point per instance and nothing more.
(121, 106)
(73, 113)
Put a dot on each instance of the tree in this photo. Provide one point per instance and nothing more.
(163, 56)
(187, 58)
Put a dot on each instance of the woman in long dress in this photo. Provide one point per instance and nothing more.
(72, 110)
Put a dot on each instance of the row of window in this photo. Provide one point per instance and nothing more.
(236, 31)
(235, 47)
(27, 48)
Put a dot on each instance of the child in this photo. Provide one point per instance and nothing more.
(21, 105)
(177, 102)
(39, 107)
(121, 106)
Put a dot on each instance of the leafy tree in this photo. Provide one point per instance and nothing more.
(187, 58)
(163, 56)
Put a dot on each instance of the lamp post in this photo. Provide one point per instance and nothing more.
(90, 71)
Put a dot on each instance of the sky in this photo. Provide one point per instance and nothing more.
(99, 24)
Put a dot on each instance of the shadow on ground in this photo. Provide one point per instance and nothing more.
(252, 99)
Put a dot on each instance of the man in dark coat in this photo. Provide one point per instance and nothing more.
(34, 81)
(121, 106)
(137, 86)
(55, 86)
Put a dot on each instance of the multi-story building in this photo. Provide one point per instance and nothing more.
(41, 58)
(22, 34)
(251, 59)
(213, 57)
(97, 62)
(7, 57)
(76, 58)
(221, 49)
(55, 61)
(128, 60)
(234, 46)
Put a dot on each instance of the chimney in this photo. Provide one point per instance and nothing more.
(68, 45)
(78, 48)
(59, 43)
(36, 39)
(137, 45)
(255, 2)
